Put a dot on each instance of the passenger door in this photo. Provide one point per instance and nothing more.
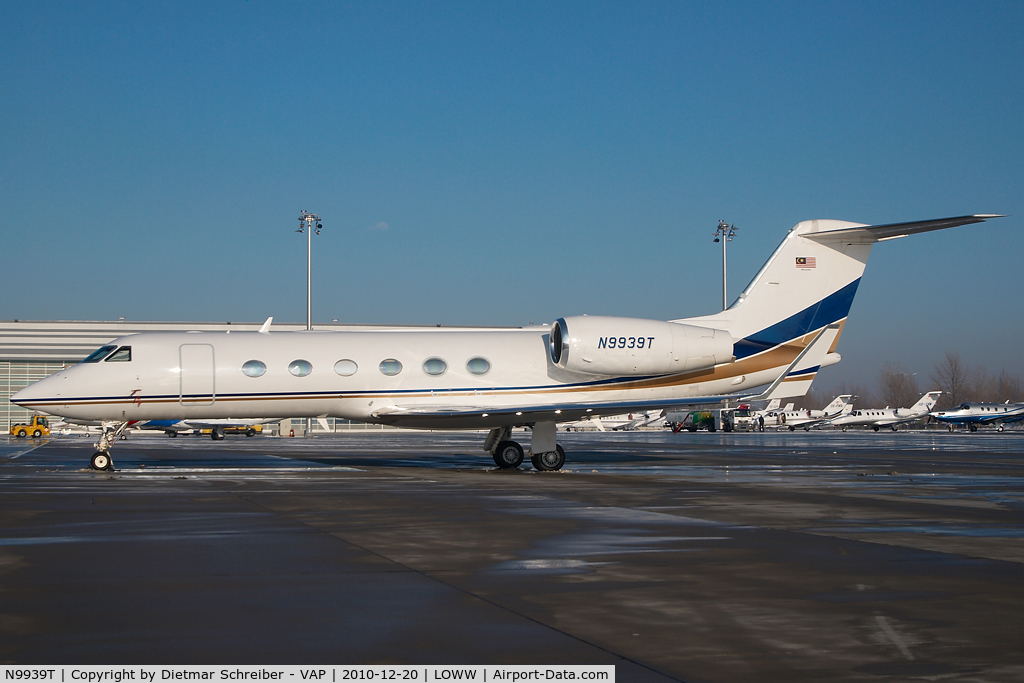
(197, 369)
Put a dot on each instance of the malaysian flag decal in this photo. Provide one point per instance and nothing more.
(805, 261)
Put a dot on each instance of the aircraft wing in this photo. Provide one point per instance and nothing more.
(543, 413)
(877, 233)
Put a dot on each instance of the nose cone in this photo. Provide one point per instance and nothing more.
(34, 393)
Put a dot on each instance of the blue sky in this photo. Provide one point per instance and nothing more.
(490, 163)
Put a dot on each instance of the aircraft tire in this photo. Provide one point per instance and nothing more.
(844, 429)
(36, 433)
(792, 428)
(875, 428)
(894, 428)
(950, 429)
(101, 461)
(549, 462)
(171, 433)
(216, 436)
(508, 455)
(999, 428)
(972, 428)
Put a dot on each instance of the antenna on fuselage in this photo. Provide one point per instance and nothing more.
(266, 326)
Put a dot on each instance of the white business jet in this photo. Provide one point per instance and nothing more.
(625, 422)
(807, 418)
(780, 330)
(892, 418)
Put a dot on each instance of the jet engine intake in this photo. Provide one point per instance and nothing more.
(603, 345)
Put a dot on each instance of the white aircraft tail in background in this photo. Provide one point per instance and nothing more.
(806, 418)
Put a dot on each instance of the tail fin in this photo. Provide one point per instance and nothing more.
(808, 283)
(926, 402)
(773, 404)
(805, 285)
(838, 405)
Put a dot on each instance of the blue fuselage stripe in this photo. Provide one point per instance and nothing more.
(832, 308)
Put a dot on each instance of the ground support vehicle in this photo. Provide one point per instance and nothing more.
(37, 427)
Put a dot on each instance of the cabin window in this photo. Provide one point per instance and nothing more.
(478, 366)
(300, 368)
(254, 368)
(122, 355)
(99, 354)
(346, 367)
(390, 367)
(435, 366)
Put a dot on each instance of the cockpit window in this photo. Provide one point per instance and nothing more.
(123, 354)
(99, 354)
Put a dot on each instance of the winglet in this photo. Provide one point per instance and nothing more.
(266, 326)
(767, 394)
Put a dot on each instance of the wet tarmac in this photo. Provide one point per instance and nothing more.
(692, 557)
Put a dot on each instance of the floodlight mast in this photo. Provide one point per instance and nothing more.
(308, 222)
(724, 233)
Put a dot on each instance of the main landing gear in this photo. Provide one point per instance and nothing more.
(545, 454)
(112, 431)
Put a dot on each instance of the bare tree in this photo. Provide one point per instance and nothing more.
(1008, 387)
(898, 387)
(952, 377)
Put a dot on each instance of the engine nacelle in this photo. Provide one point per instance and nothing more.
(602, 345)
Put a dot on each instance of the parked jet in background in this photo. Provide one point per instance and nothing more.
(807, 418)
(888, 417)
(625, 422)
(974, 414)
(174, 427)
(780, 331)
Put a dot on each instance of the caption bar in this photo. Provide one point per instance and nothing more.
(313, 674)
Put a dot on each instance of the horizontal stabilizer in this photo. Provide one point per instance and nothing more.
(876, 233)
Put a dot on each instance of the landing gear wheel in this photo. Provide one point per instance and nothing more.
(101, 461)
(972, 428)
(216, 434)
(894, 428)
(171, 433)
(508, 455)
(844, 429)
(875, 427)
(550, 461)
(999, 428)
(36, 433)
(950, 429)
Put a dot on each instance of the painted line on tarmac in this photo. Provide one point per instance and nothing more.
(27, 450)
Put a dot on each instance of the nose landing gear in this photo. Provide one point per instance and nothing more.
(112, 431)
